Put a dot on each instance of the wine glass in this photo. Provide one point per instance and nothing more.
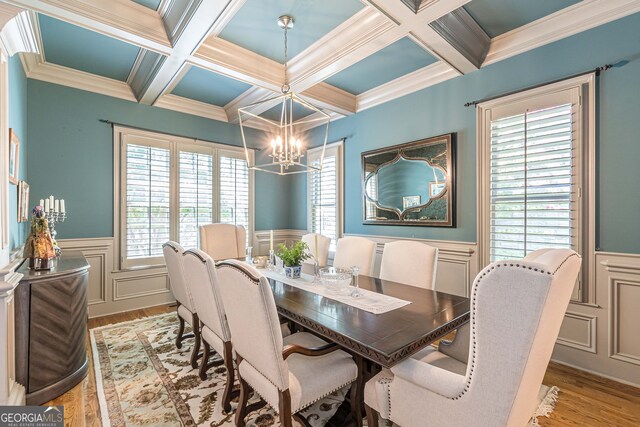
(355, 293)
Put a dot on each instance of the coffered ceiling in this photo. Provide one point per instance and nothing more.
(210, 57)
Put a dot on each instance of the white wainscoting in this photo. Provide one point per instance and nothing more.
(261, 239)
(457, 262)
(604, 337)
(111, 291)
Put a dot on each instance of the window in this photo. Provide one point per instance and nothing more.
(234, 190)
(169, 187)
(324, 192)
(534, 157)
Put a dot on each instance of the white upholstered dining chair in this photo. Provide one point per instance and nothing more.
(222, 241)
(200, 271)
(186, 308)
(354, 251)
(410, 263)
(517, 308)
(289, 373)
(323, 248)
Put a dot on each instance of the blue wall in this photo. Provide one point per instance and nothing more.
(18, 122)
(70, 154)
(439, 109)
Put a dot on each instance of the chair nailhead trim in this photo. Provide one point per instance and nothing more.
(474, 297)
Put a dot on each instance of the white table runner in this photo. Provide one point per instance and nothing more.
(370, 301)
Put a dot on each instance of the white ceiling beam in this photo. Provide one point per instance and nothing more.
(248, 97)
(358, 37)
(412, 82)
(196, 22)
(231, 60)
(566, 22)
(331, 98)
(425, 35)
(122, 19)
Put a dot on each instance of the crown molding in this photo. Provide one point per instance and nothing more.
(69, 77)
(17, 35)
(412, 82)
(190, 106)
(572, 20)
(122, 19)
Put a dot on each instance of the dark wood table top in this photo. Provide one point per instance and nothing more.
(386, 338)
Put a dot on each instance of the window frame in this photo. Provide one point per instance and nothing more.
(584, 86)
(336, 147)
(123, 135)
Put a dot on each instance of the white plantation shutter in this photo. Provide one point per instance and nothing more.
(196, 195)
(324, 193)
(533, 175)
(147, 200)
(234, 190)
(170, 186)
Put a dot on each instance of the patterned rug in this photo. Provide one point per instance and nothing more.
(144, 380)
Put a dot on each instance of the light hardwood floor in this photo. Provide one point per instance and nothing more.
(584, 400)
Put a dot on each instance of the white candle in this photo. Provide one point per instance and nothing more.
(51, 202)
(62, 209)
(42, 203)
(316, 254)
(56, 206)
(46, 205)
(271, 240)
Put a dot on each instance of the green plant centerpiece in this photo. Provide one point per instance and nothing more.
(292, 257)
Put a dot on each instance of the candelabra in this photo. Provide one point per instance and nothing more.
(52, 218)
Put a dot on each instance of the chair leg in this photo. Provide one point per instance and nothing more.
(180, 330)
(372, 416)
(357, 392)
(228, 388)
(285, 408)
(245, 392)
(204, 365)
(196, 346)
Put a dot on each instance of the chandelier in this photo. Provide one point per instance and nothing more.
(278, 126)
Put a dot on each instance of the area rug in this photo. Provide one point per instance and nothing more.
(142, 379)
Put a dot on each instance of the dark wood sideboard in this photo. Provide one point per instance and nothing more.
(51, 327)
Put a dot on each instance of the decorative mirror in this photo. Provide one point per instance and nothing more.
(410, 184)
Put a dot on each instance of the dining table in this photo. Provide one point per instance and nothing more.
(383, 339)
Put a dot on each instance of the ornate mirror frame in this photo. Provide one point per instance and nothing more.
(400, 150)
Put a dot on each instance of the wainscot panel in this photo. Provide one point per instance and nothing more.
(603, 337)
(457, 262)
(113, 291)
(261, 240)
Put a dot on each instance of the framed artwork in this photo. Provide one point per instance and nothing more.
(14, 157)
(410, 201)
(23, 201)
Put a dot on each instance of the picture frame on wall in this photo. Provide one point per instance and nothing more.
(14, 157)
(23, 201)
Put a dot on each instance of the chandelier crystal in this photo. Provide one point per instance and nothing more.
(278, 126)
